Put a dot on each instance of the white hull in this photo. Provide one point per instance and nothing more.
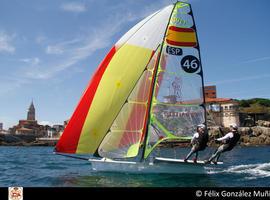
(160, 165)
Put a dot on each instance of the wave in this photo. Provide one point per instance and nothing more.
(259, 170)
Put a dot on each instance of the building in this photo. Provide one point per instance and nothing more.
(30, 125)
(220, 111)
(2, 131)
(31, 114)
(210, 91)
(58, 127)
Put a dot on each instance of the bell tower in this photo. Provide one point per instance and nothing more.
(31, 112)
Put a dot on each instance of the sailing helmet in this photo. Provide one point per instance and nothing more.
(234, 126)
(201, 126)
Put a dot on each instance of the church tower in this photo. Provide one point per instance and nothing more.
(31, 112)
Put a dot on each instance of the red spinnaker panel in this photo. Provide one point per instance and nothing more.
(69, 140)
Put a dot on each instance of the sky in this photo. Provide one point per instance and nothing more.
(50, 49)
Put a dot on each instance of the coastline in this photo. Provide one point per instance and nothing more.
(24, 140)
(250, 136)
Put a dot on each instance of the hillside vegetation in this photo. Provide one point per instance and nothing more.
(255, 105)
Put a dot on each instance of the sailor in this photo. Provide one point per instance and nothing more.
(198, 141)
(229, 142)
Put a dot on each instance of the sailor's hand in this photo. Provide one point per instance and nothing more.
(217, 141)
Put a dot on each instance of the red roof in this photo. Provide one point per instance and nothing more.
(217, 100)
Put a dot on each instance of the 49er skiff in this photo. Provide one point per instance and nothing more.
(147, 90)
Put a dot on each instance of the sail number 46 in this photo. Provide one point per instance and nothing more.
(190, 64)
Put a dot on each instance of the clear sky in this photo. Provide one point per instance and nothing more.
(50, 49)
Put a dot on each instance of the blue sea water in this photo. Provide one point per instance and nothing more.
(39, 167)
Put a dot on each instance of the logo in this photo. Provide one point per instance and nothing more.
(15, 193)
(190, 64)
(174, 51)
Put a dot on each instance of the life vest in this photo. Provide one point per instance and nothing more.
(201, 141)
(231, 142)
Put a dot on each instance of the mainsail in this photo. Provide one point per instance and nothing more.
(148, 89)
(178, 98)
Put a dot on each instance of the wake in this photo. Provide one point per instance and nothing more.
(259, 170)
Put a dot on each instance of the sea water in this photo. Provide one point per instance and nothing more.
(39, 167)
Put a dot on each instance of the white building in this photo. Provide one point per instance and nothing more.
(223, 111)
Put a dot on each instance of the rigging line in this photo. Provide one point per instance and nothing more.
(96, 152)
(156, 129)
(70, 156)
(154, 80)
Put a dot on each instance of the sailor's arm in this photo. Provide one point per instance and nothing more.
(195, 135)
(227, 136)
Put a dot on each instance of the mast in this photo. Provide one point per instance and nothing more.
(152, 87)
(201, 73)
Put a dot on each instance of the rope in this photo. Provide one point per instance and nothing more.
(70, 156)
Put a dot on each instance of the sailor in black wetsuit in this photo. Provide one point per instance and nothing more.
(198, 141)
(229, 142)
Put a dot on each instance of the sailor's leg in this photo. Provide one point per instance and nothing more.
(190, 154)
(217, 153)
(223, 148)
(212, 157)
(218, 157)
(216, 150)
(196, 155)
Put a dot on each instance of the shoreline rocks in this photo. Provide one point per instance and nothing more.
(250, 136)
(22, 140)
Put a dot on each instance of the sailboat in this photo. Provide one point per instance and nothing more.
(148, 90)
